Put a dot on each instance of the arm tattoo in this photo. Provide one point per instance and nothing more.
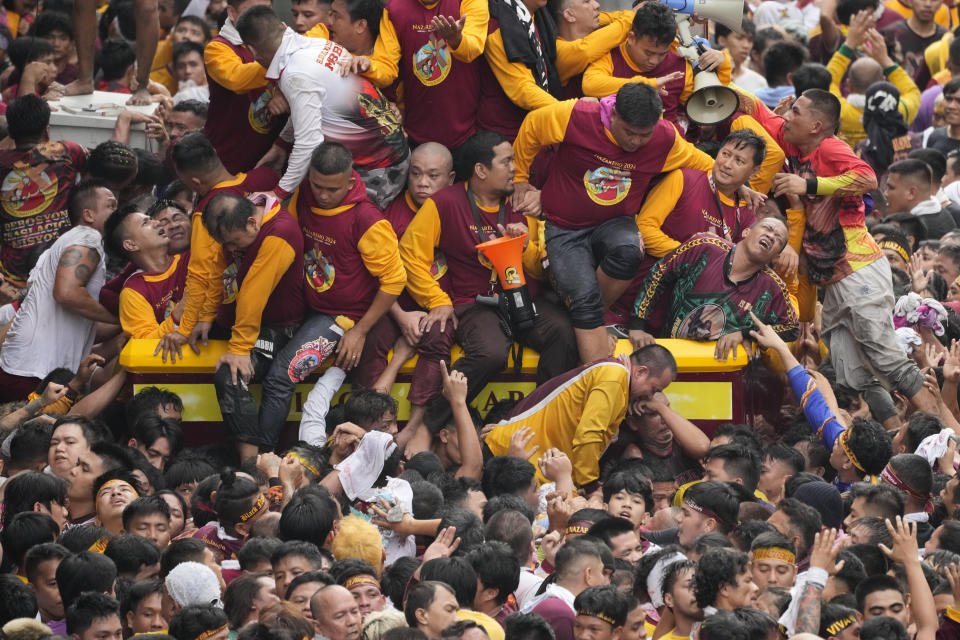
(808, 616)
(83, 273)
(71, 256)
(93, 256)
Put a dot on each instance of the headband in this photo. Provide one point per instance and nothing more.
(656, 576)
(842, 439)
(895, 247)
(359, 580)
(840, 625)
(775, 553)
(99, 546)
(578, 527)
(255, 509)
(303, 462)
(890, 476)
(597, 614)
(114, 483)
(212, 632)
(701, 509)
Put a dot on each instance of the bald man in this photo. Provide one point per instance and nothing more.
(876, 66)
(335, 613)
(431, 169)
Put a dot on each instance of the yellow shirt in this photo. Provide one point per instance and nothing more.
(227, 70)
(491, 626)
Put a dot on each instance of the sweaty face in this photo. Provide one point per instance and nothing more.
(627, 505)
(66, 446)
(627, 546)
(946, 267)
(289, 568)
(501, 171)
(714, 470)
(744, 593)
(300, 597)
(773, 573)
(368, 598)
(343, 30)
(112, 500)
(733, 166)
(583, 12)
(308, 14)
(148, 616)
(84, 473)
(765, 240)
(692, 524)
(177, 519)
(187, 31)
(330, 190)
(429, 172)
(591, 628)
(176, 227)
(645, 52)
(180, 122)
(144, 232)
(441, 613)
(152, 526)
(340, 618)
(683, 599)
(644, 386)
(800, 121)
(630, 138)
(897, 193)
(189, 66)
(886, 603)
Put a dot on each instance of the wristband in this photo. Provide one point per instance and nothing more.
(817, 576)
(845, 50)
(812, 186)
(72, 394)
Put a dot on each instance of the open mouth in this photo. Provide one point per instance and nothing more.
(764, 244)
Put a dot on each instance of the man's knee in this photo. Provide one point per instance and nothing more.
(622, 261)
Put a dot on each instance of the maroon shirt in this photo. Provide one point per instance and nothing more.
(337, 280)
(238, 125)
(399, 213)
(670, 63)
(163, 294)
(434, 82)
(110, 292)
(33, 200)
(592, 179)
(284, 307)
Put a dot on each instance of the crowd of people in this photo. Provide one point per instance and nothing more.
(309, 199)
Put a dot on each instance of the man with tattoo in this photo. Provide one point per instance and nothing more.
(57, 320)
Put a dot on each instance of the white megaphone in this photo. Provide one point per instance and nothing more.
(711, 102)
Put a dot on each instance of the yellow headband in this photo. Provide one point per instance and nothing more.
(842, 439)
(255, 509)
(895, 247)
(211, 633)
(99, 546)
(839, 626)
(114, 483)
(303, 462)
(774, 553)
(597, 614)
(361, 580)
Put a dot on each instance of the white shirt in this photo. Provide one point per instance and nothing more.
(552, 591)
(46, 335)
(527, 588)
(749, 80)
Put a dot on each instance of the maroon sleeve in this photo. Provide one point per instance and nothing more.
(950, 627)
(110, 293)
(261, 179)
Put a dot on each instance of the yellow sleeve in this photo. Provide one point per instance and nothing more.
(514, 77)
(598, 80)
(909, 93)
(536, 249)
(837, 66)
(318, 30)
(225, 69)
(540, 128)
(164, 77)
(724, 75)
(684, 155)
(273, 259)
(573, 56)
(203, 276)
(474, 35)
(660, 201)
(725, 70)
(688, 85)
(772, 162)
(417, 252)
(386, 54)
(138, 319)
(796, 220)
(603, 411)
(381, 256)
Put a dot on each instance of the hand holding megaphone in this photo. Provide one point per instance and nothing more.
(514, 230)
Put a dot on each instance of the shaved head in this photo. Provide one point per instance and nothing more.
(863, 73)
(434, 150)
(431, 169)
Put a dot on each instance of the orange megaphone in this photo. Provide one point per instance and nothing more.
(506, 256)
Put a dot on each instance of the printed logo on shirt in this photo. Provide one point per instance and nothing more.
(432, 62)
(309, 357)
(706, 322)
(230, 288)
(320, 272)
(607, 185)
(439, 267)
(28, 190)
(260, 119)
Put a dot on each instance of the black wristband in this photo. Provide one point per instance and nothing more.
(812, 186)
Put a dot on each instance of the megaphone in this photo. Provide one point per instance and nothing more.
(711, 102)
(506, 256)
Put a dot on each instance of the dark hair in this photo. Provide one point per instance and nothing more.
(827, 104)
(179, 551)
(130, 553)
(653, 356)
(457, 573)
(82, 196)
(747, 139)
(919, 426)
(780, 60)
(422, 596)
(191, 621)
(25, 489)
(365, 406)
(672, 574)
(606, 600)
(830, 614)
(497, 568)
(226, 212)
(655, 21)
(238, 598)
(369, 10)
(869, 443)
(343, 570)
(738, 461)
(804, 520)
(810, 75)
(847, 8)
(571, 551)
(113, 162)
(747, 28)
(49, 21)
(468, 526)
(255, 551)
(26, 49)
(717, 568)
(115, 58)
(150, 427)
(507, 474)
(28, 117)
(187, 469)
(427, 499)
(916, 169)
(308, 517)
(198, 109)
(953, 86)
(78, 539)
(149, 399)
(639, 105)
(137, 592)
(872, 584)
(877, 529)
(773, 539)
(85, 571)
(113, 230)
(29, 445)
(331, 158)
(632, 483)
(479, 149)
(307, 550)
(395, 577)
(39, 554)
(747, 530)
(950, 536)
(914, 471)
(24, 531)
(610, 528)
(719, 498)
(89, 607)
(883, 628)
(194, 155)
(258, 24)
(874, 561)
(787, 455)
(934, 159)
(513, 529)
(313, 576)
(185, 48)
(527, 626)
